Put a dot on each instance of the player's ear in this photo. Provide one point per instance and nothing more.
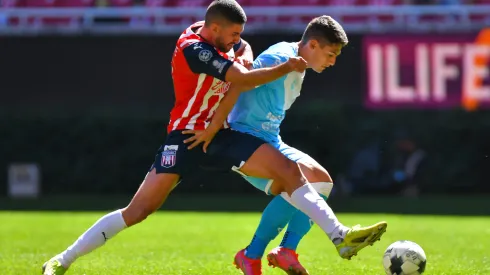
(313, 44)
(215, 27)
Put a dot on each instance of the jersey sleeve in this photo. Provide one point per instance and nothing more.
(270, 59)
(203, 58)
(266, 60)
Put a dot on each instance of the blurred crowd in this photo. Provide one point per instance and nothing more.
(187, 3)
(104, 3)
(380, 168)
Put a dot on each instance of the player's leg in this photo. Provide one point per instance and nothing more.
(268, 162)
(274, 218)
(161, 179)
(320, 179)
(285, 256)
(279, 212)
(149, 197)
(356, 238)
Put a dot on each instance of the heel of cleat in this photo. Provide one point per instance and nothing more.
(271, 261)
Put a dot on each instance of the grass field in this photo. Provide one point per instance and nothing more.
(171, 243)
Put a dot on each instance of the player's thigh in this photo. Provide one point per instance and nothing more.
(266, 185)
(315, 173)
(310, 168)
(317, 176)
(267, 162)
(254, 157)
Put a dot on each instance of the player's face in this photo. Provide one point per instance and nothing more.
(227, 36)
(323, 57)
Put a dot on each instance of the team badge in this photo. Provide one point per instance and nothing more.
(205, 55)
(219, 65)
(169, 155)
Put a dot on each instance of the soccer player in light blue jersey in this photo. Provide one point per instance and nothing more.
(260, 112)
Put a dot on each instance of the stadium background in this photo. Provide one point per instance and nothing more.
(86, 97)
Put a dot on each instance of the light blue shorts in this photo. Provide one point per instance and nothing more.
(290, 152)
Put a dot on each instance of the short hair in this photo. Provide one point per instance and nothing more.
(228, 10)
(325, 29)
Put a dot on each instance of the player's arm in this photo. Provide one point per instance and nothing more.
(202, 58)
(225, 106)
(239, 75)
(231, 97)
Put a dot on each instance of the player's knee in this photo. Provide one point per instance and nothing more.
(314, 172)
(134, 215)
(323, 188)
(291, 176)
(321, 176)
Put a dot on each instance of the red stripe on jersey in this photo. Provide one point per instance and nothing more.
(218, 89)
(195, 104)
(205, 116)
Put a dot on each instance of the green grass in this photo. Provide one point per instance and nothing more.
(171, 243)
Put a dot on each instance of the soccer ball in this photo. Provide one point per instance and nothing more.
(404, 258)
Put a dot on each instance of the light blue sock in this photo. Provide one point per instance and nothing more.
(274, 218)
(298, 227)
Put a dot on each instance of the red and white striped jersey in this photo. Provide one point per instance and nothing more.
(198, 74)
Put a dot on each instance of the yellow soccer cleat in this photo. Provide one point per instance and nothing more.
(359, 237)
(53, 267)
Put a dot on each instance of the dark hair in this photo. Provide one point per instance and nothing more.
(228, 10)
(326, 30)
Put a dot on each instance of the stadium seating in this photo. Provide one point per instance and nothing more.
(272, 18)
(41, 3)
(121, 3)
(187, 3)
(261, 3)
(76, 3)
(305, 2)
(12, 3)
(193, 3)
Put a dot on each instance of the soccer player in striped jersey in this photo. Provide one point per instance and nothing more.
(202, 69)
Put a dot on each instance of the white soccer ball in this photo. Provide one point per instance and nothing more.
(404, 258)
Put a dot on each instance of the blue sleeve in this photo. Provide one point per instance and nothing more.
(203, 58)
(265, 60)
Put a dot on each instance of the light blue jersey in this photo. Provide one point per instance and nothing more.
(259, 112)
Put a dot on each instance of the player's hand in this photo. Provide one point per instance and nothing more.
(298, 64)
(199, 136)
(247, 63)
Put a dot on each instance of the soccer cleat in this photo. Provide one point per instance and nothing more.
(359, 237)
(53, 267)
(247, 265)
(287, 260)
